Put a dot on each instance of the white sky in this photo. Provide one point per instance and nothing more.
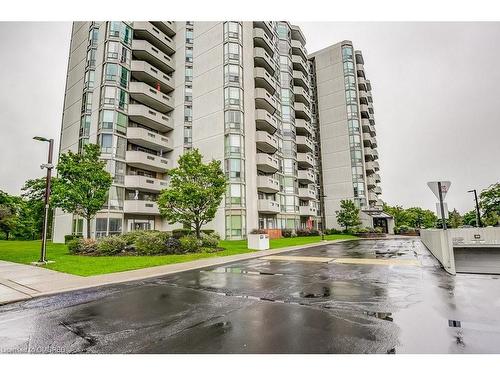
(434, 89)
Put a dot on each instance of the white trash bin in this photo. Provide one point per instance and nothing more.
(258, 241)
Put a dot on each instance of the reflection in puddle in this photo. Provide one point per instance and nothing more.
(380, 315)
(238, 270)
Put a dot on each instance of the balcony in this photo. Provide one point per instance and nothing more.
(302, 111)
(149, 139)
(305, 160)
(140, 207)
(307, 194)
(306, 177)
(264, 60)
(143, 50)
(144, 160)
(303, 127)
(300, 79)
(299, 64)
(267, 206)
(307, 211)
(147, 31)
(368, 154)
(376, 166)
(298, 49)
(267, 184)
(368, 140)
(372, 197)
(144, 183)
(377, 177)
(151, 97)
(369, 167)
(363, 108)
(365, 125)
(263, 40)
(166, 27)
(145, 72)
(146, 116)
(297, 34)
(368, 85)
(375, 154)
(265, 80)
(302, 95)
(304, 144)
(377, 190)
(264, 25)
(370, 182)
(373, 133)
(265, 121)
(267, 163)
(266, 142)
(264, 100)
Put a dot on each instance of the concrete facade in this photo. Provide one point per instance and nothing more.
(346, 120)
(244, 93)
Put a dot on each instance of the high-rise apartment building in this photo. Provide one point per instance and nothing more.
(344, 110)
(244, 93)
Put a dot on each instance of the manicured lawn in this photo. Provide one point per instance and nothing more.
(29, 251)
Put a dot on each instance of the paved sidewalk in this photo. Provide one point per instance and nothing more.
(20, 282)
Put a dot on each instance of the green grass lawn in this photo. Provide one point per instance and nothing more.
(29, 251)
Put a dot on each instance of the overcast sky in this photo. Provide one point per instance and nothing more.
(434, 90)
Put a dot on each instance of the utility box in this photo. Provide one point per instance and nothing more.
(258, 241)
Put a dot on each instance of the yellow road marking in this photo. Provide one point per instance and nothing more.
(298, 259)
(381, 262)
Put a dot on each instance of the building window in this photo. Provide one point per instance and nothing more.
(233, 74)
(106, 143)
(189, 74)
(189, 54)
(233, 120)
(188, 113)
(91, 58)
(233, 96)
(234, 169)
(188, 135)
(232, 52)
(235, 225)
(234, 144)
(120, 30)
(235, 194)
(232, 30)
(89, 79)
(85, 126)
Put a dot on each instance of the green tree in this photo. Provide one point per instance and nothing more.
(195, 192)
(489, 201)
(83, 184)
(398, 213)
(9, 209)
(33, 192)
(348, 215)
(455, 219)
(469, 218)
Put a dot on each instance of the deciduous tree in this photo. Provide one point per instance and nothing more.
(83, 184)
(195, 192)
(348, 215)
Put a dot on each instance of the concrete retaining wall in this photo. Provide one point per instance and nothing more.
(439, 244)
(471, 237)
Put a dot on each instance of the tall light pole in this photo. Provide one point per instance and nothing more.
(49, 167)
(323, 216)
(478, 214)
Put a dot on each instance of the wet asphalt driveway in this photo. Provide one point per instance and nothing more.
(274, 306)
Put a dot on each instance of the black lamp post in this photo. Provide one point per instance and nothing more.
(49, 167)
(478, 214)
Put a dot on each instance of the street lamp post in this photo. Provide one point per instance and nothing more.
(49, 167)
(323, 218)
(478, 214)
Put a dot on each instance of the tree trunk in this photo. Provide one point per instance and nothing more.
(198, 230)
(7, 235)
(88, 228)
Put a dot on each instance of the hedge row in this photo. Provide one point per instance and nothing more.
(145, 243)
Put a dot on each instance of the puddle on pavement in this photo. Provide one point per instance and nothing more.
(380, 315)
(324, 293)
(237, 270)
